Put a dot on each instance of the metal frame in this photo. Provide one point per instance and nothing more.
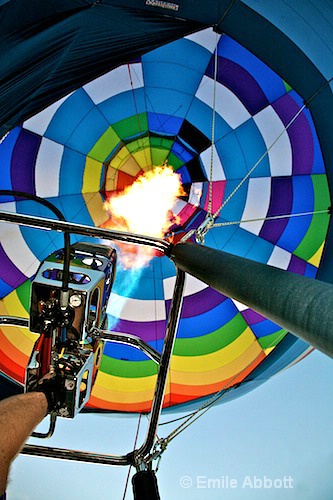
(95, 232)
(141, 456)
(128, 339)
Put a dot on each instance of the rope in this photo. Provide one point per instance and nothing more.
(208, 223)
(191, 418)
(210, 194)
(273, 217)
(176, 419)
(215, 398)
(225, 13)
(239, 185)
(130, 467)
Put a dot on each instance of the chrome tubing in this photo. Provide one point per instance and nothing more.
(14, 321)
(170, 336)
(95, 232)
(74, 455)
(132, 340)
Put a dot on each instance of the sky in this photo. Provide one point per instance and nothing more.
(273, 443)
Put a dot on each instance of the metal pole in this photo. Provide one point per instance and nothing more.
(128, 339)
(14, 321)
(170, 336)
(74, 455)
(300, 305)
(95, 232)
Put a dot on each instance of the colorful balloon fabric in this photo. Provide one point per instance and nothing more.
(159, 108)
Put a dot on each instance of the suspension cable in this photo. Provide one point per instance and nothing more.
(273, 217)
(134, 447)
(217, 396)
(192, 417)
(208, 223)
(210, 194)
(263, 156)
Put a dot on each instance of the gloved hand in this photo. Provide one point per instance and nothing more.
(53, 386)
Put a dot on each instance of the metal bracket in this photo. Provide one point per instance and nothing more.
(203, 229)
(128, 339)
(49, 433)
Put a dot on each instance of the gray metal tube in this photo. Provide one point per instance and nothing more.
(301, 305)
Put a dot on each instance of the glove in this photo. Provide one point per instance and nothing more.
(53, 386)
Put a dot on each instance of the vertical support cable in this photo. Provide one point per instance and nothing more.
(210, 192)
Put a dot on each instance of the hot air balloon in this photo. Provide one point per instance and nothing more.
(234, 117)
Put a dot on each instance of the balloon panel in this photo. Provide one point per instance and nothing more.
(264, 163)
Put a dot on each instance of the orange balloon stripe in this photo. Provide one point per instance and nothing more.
(179, 393)
(11, 369)
(13, 352)
(191, 392)
(143, 407)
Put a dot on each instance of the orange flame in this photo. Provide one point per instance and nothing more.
(145, 208)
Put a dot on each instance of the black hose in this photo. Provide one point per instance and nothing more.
(60, 215)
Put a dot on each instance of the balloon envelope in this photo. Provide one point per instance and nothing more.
(166, 105)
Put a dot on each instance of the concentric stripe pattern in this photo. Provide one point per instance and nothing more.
(100, 138)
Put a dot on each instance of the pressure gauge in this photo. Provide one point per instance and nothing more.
(75, 300)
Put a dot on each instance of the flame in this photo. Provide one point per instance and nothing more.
(145, 208)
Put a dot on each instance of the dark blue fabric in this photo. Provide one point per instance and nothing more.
(54, 47)
(8, 387)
